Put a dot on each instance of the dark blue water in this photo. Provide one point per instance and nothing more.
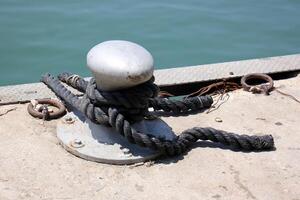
(54, 36)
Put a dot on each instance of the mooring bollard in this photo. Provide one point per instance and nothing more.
(119, 65)
(108, 121)
(115, 65)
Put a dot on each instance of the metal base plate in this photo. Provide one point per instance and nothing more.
(99, 143)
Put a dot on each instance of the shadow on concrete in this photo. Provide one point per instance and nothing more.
(173, 114)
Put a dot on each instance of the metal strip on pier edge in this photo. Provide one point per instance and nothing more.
(235, 69)
(174, 76)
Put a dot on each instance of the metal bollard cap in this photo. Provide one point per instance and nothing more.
(119, 64)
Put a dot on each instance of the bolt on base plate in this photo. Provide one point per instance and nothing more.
(100, 143)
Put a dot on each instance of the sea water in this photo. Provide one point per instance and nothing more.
(54, 36)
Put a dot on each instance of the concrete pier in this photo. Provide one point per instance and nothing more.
(34, 166)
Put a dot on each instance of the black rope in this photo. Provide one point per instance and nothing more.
(120, 108)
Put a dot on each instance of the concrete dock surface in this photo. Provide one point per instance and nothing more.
(33, 165)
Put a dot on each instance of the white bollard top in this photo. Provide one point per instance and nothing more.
(118, 64)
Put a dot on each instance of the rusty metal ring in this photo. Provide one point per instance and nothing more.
(258, 76)
(61, 109)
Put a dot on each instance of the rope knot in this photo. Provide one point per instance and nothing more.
(133, 102)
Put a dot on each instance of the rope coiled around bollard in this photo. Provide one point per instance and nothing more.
(119, 109)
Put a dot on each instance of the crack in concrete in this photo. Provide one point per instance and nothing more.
(238, 182)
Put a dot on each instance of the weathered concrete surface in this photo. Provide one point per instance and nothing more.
(34, 166)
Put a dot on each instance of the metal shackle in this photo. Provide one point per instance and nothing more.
(119, 64)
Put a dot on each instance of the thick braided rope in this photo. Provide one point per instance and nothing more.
(141, 96)
(104, 114)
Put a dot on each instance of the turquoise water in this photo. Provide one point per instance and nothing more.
(54, 36)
